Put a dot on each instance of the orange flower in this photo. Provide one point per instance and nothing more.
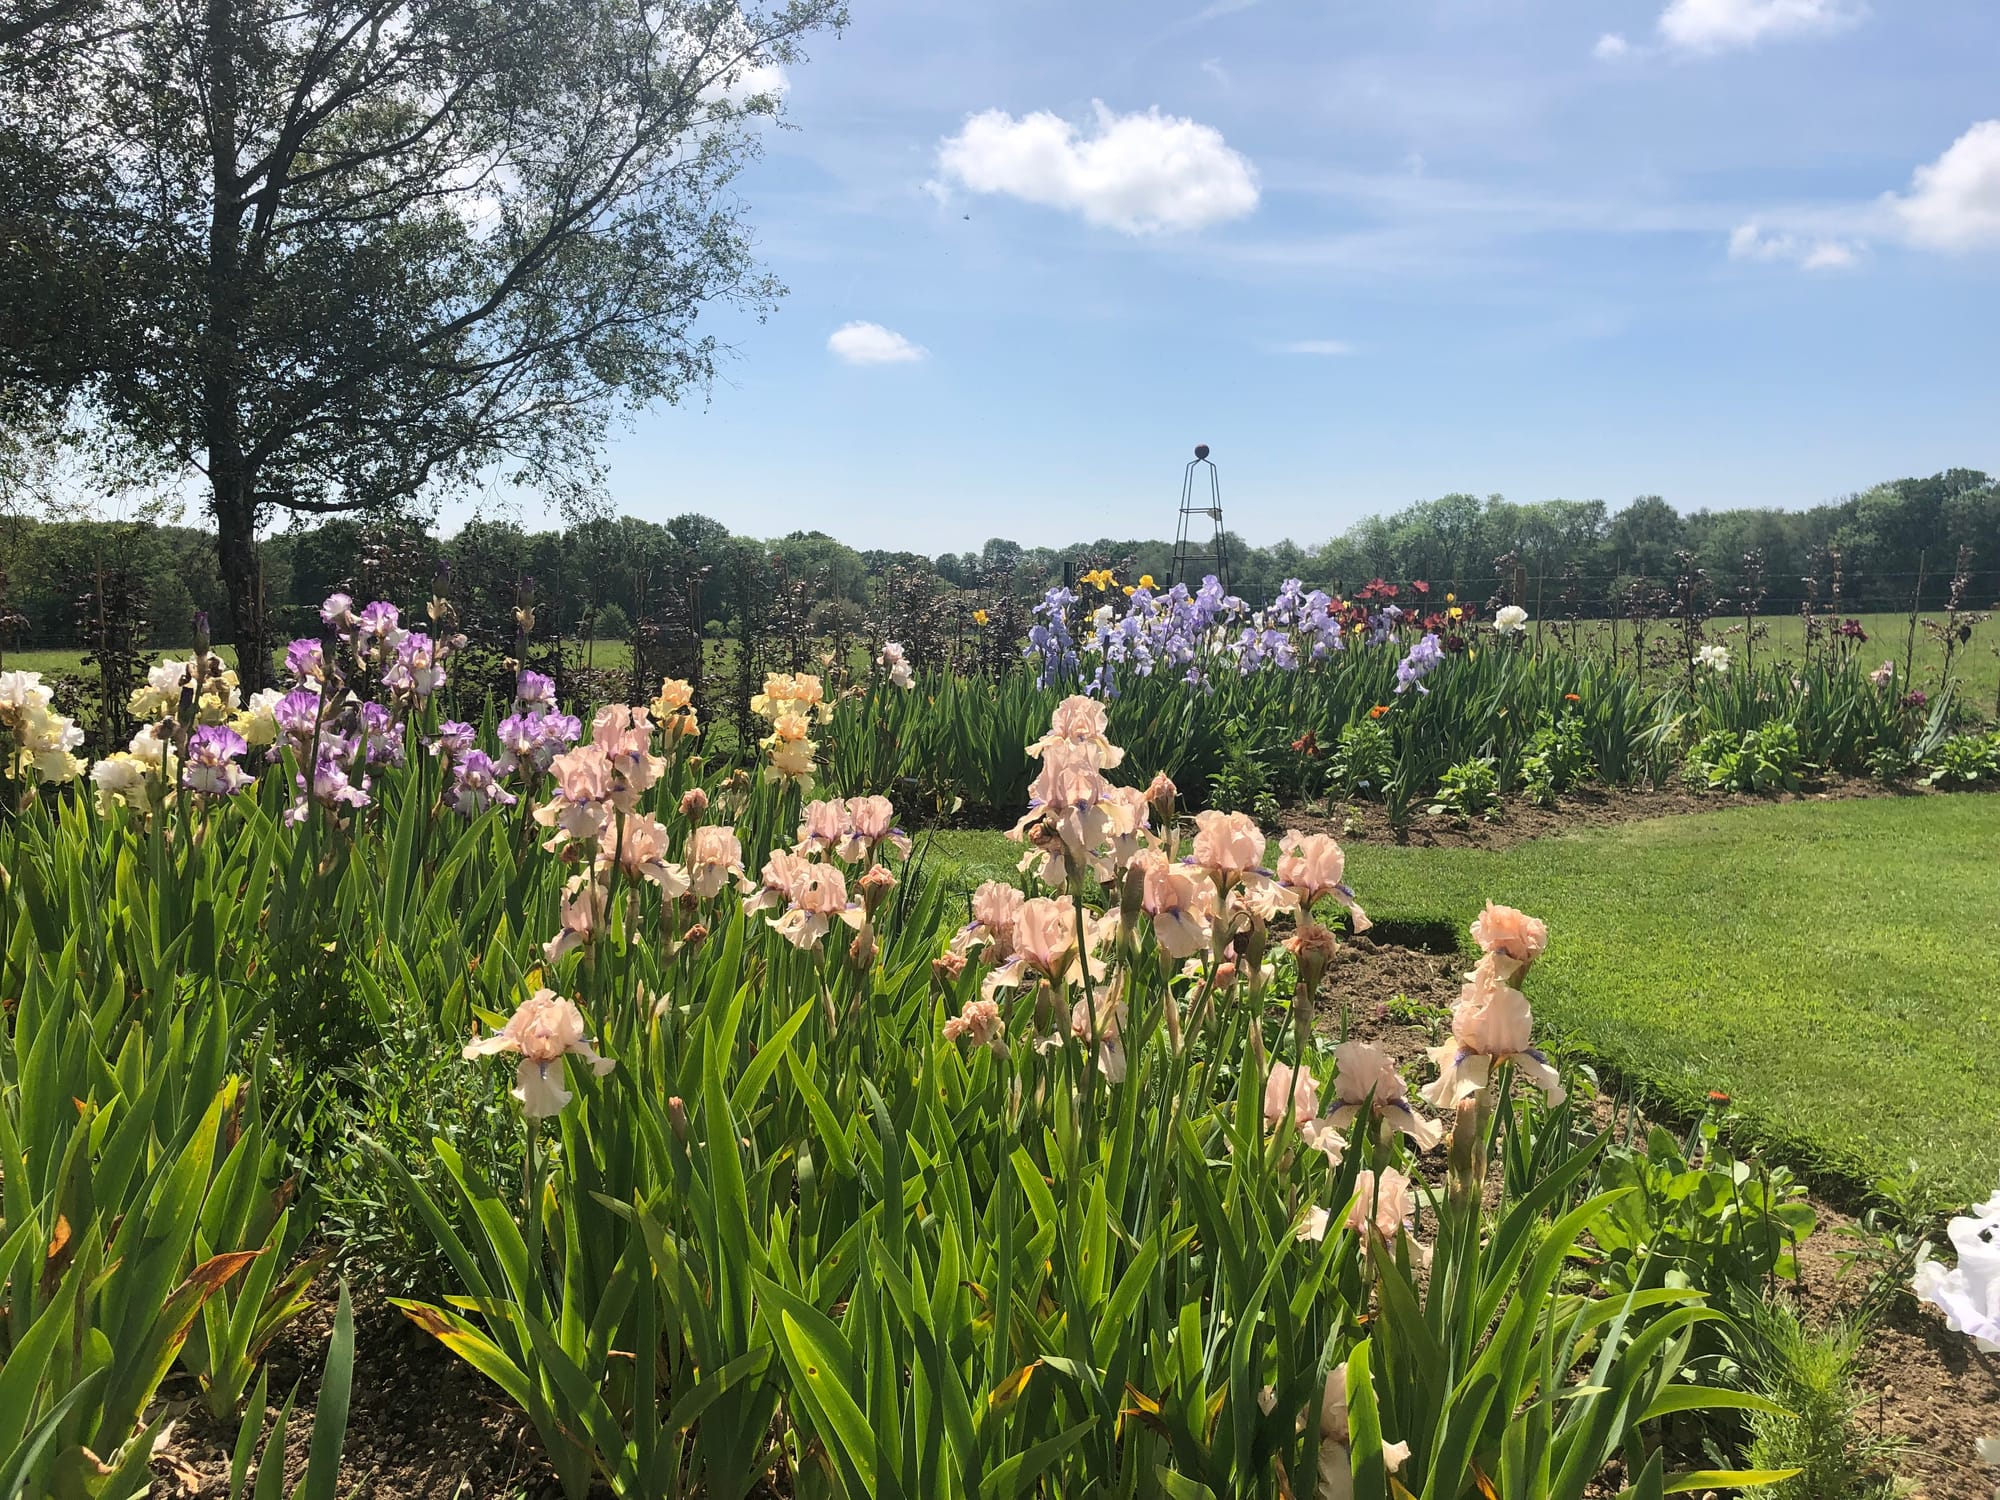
(1378, 710)
(1571, 698)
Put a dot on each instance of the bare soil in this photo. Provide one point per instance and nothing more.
(1518, 820)
(1923, 1383)
(422, 1425)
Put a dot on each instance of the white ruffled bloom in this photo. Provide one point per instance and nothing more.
(1969, 1293)
(20, 690)
(1510, 619)
(122, 780)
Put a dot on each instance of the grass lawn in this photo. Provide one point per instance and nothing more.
(1833, 967)
(1975, 667)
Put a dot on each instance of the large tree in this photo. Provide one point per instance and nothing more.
(343, 252)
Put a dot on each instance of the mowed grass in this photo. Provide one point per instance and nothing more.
(1833, 967)
(604, 656)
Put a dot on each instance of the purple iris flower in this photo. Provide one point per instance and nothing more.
(1425, 655)
(210, 764)
(475, 785)
(455, 740)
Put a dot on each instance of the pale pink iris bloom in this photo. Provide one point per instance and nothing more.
(1363, 1072)
(818, 899)
(1384, 1206)
(1049, 946)
(1129, 820)
(584, 783)
(995, 907)
(643, 844)
(822, 825)
(1312, 866)
(1104, 1028)
(625, 735)
(1336, 1462)
(1289, 1089)
(871, 822)
(1045, 936)
(979, 1024)
(714, 855)
(1292, 1088)
(1227, 844)
(543, 1030)
(1081, 722)
(781, 872)
(1067, 799)
(1179, 903)
(1257, 898)
(1491, 1024)
(582, 899)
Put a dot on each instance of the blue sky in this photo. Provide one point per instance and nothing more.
(1728, 251)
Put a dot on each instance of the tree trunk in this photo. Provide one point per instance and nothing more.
(236, 554)
(232, 480)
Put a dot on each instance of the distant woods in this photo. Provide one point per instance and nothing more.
(73, 584)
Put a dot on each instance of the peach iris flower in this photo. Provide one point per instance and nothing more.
(871, 821)
(1490, 1024)
(978, 1023)
(1292, 1089)
(781, 872)
(994, 908)
(1081, 721)
(584, 783)
(1512, 937)
(1227, 845)
(714, 853)
(642, 855)
(582, 898)
(819, 898)
(1179, 904)
(1364, 1072)
(546, 1027)
(1313, 865)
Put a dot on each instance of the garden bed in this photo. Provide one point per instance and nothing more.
(425, 1427)
(1520, 820)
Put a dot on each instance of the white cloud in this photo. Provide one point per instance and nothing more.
(1716, 25)
(872, 344)
(1215, 11)
(1316, 346)
(1610, 47)
(1750, 242)
(1139, 173)
(1829, 255)
(1213, 67)
(1954, 202)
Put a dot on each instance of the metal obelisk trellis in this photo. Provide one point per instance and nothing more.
(1194, 558)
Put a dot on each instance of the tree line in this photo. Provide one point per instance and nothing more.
(1889, 547)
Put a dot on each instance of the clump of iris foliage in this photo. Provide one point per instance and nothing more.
(742, 1156)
